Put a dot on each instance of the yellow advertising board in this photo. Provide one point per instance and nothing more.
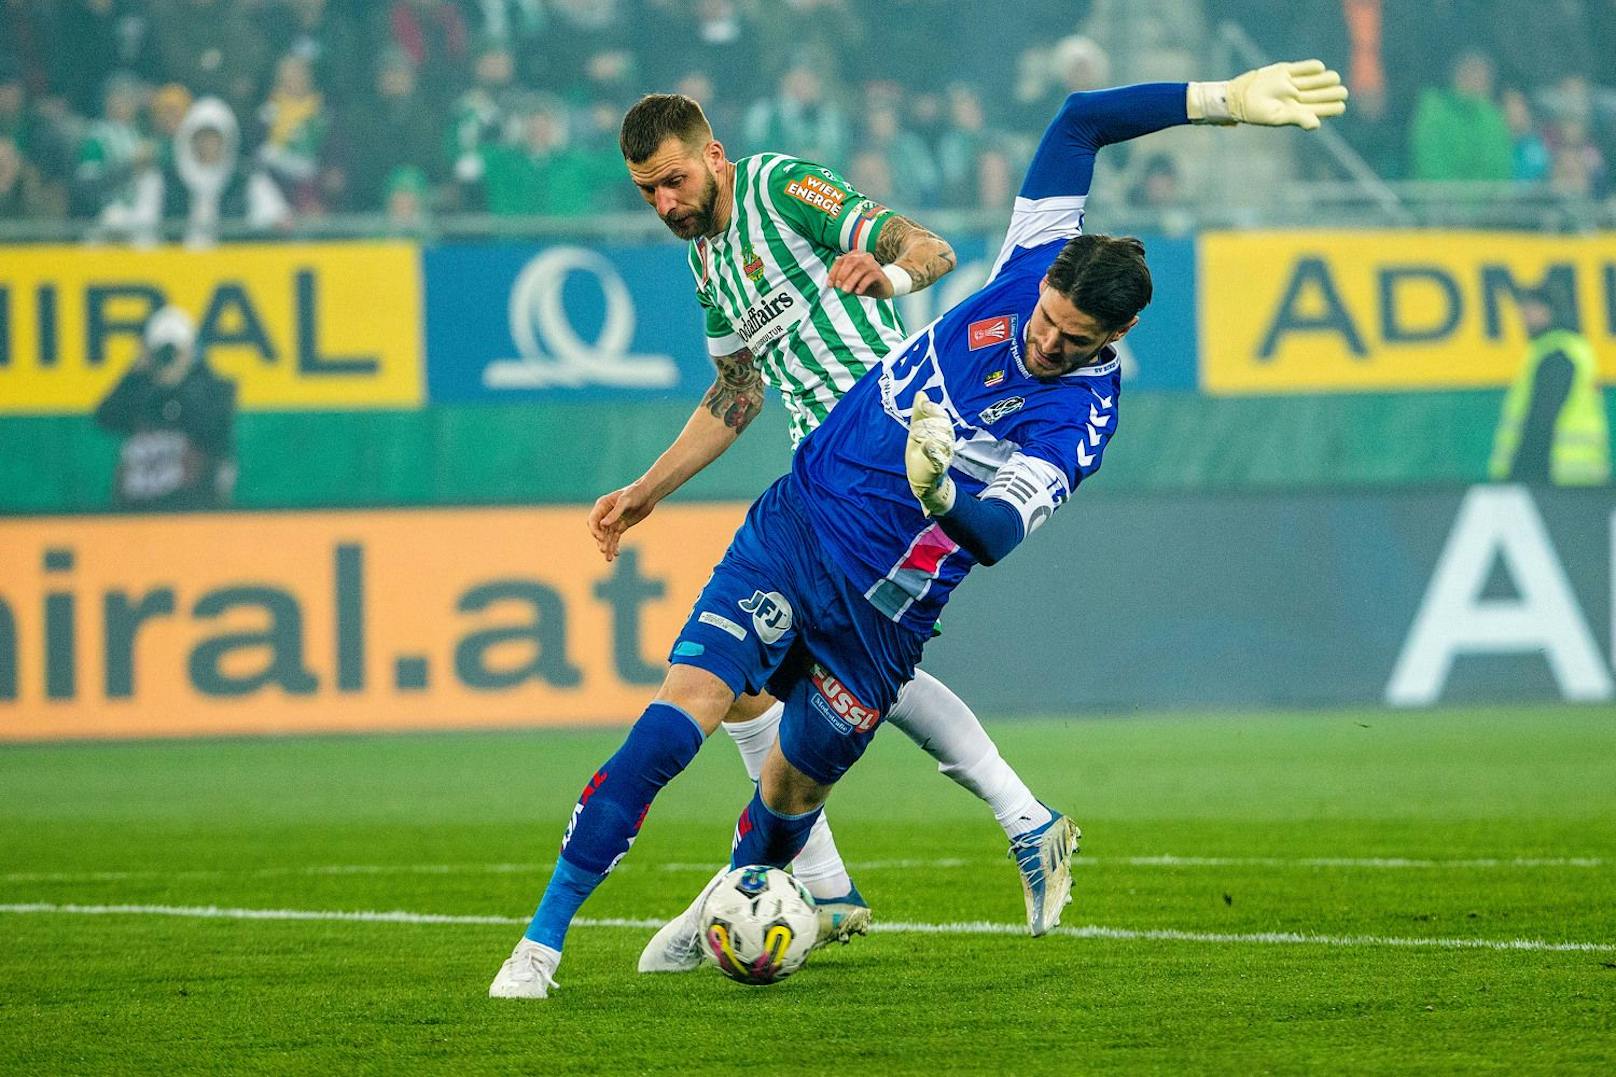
(302, 622)
(294, 325)
(1306, 312)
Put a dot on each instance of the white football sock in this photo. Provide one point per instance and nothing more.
(939, 721)
(755, 738)
(819, 866)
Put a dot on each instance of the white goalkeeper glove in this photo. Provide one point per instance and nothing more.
(927, 454)
(1298, 93)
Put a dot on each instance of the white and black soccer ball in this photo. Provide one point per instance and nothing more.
(758, 925)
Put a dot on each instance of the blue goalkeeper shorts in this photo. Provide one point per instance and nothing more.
(778, 616)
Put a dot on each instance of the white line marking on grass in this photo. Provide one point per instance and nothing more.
(1164, 861)
(973, 927)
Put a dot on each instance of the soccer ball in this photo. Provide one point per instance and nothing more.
(758, 925)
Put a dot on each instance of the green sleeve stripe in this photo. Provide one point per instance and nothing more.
(805, 286)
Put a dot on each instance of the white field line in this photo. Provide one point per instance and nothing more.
(973, 927)
(1166, 861)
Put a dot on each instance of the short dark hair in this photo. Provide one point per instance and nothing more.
(657, 116)
(1105, 277)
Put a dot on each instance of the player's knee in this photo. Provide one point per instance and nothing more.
(787, 790)
(699, 693)
(747, 707)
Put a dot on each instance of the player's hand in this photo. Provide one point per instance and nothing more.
(859, 273)
(927, 454)
(1297, 93)
(615, 513)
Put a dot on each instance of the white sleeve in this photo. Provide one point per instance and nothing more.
(1036, 221)
(1035, 488)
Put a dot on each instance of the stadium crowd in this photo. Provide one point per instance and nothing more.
(122, 113)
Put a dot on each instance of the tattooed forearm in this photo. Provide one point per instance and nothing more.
(918, 251)
(736, 396)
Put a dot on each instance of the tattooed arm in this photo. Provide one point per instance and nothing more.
(733, 401)
(915, 249)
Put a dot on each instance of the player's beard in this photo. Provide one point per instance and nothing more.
(698, 221)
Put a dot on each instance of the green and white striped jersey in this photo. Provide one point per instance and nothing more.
(762, 283)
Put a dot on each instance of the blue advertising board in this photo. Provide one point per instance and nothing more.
(566, 321)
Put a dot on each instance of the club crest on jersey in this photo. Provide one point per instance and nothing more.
(995, 377)
(990, 331)
(1000, 408)
(752, 265)
(771, 614)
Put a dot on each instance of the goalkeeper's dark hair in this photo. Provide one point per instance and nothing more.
(657, 116)
(1105, 277)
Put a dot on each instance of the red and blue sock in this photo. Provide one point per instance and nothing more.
(611, 810)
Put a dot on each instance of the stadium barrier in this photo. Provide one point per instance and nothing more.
(397, 619)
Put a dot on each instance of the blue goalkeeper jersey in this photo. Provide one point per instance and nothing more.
(1026, 440)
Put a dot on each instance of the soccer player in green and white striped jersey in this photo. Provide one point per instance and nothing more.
(795, 272)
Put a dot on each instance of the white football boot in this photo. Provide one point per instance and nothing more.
(676, 947)
(1044, 857)
(528, 973)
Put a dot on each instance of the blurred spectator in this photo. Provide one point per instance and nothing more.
(1458, 132)
(207, 183)
(1553, 427)
(515, 23)
(909, 165)
(327, 35)
(720, 39)
(871, 173)
(963, 153)
(167, 108)
(113, 150)
(724, 112)
(1046, 76)
(603, 157)
(19, 185)
(294, 122)
(212, 47)
(539, 171)
(406, 204)
(803, 119)
(482, 114)
(1157, 186)
(392, 128)
(87, 40)
(1578, 169)
(177, 418)
(577, 30)
(1529, 154)
(830, 34)
(1578, 100)
(433, 34)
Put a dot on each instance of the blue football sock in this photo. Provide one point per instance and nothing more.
(764, 836)
(610, 812)
(566, 891)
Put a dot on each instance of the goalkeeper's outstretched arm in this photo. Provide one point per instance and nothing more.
(1297, 93)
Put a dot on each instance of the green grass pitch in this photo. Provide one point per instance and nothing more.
(1359, 830)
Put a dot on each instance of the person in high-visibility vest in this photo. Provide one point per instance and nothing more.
(1553, 428)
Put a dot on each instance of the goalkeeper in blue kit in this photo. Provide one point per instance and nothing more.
(944, 457)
